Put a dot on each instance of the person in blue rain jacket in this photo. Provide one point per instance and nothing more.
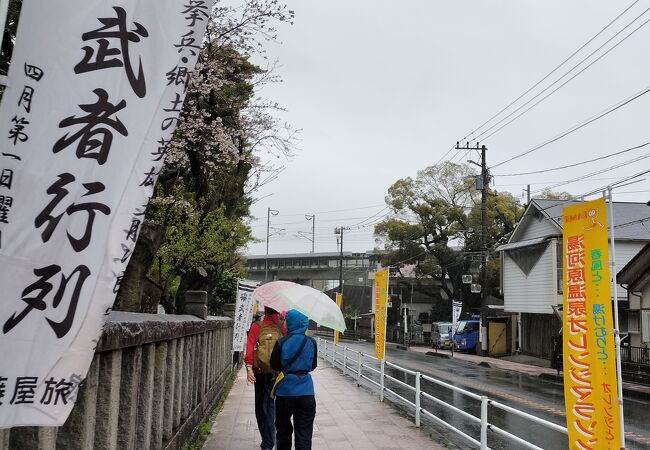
(295, 392)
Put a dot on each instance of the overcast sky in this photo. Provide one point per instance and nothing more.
(382, 89)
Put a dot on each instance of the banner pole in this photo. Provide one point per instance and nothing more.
(617, 336)
(386, 315)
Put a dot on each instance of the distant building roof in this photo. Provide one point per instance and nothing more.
(629, 217)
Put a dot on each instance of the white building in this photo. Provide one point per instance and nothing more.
(635, 277)
(531, 264)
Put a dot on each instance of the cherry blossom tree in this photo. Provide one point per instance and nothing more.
(217, 159)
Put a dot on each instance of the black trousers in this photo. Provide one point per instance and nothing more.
(303, 410)
(265, 409)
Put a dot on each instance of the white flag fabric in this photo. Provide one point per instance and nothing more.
(243, 313)
(95, 90)
(456, 309)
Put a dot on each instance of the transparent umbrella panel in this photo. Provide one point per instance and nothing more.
(285, 295)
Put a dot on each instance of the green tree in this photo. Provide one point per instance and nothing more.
(551, 195)
(436, 225)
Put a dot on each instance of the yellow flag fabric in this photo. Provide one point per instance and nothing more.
(380, 296)
(339, 300)
(590, 389)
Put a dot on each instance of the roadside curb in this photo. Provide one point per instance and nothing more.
(630, 393)
(439, 355)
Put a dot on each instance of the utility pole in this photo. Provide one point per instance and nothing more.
(482, 183)
(312, 217)
(339, 232)
(485, 177)
(269, 212)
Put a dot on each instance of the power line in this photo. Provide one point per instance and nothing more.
(550, 73)
(575, 164)
(625, 163)
(578, 126)
(321, 221)
(371, 217)
(565, 83)
(334, 210)
(525, 183)
(445, 154)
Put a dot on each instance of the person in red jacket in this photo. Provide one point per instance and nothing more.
(259, 345)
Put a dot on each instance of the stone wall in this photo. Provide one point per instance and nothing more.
(153, 379)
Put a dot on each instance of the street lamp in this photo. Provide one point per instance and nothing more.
(312, 217)
(269, 212)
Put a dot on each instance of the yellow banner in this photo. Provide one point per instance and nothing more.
(380, 296)
(590, 389)
(339, 300)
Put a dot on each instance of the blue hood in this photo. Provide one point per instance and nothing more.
(296, 321)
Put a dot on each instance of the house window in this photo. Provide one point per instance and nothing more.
(645, 324)
(628, 320)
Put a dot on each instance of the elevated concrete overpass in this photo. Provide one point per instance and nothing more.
(301, 267)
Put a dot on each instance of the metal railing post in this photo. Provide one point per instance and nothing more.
(359, 370)
(381, 382)
(484, 422)
(345, 358)
(333, 354)
(417, 399)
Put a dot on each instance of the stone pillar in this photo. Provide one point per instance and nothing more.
(4, 439)
(78, 433)
(23, 438)
(128, 402)
(208, 361)
(47, 438)
(212, 356)
(186, 380)
(170, 390)
(196, 343)
(108, 401)
(196, 304)
(200, 366)
(158, 401)
(145, 397)
(179, 382)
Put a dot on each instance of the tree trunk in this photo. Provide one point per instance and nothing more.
(130, 293)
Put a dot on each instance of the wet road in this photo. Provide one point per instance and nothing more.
(530, 394)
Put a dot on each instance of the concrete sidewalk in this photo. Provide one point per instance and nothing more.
(347, 417)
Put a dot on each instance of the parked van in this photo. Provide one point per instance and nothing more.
(441, 334)
(467, 334)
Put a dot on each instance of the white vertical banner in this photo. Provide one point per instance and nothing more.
(243, 313)
(456, 308)
(95, 90)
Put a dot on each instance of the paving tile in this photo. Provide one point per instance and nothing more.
(347, 417)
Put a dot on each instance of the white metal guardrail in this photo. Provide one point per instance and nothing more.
(354, 362)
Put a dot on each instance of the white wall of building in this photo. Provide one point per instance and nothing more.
(535, 293)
